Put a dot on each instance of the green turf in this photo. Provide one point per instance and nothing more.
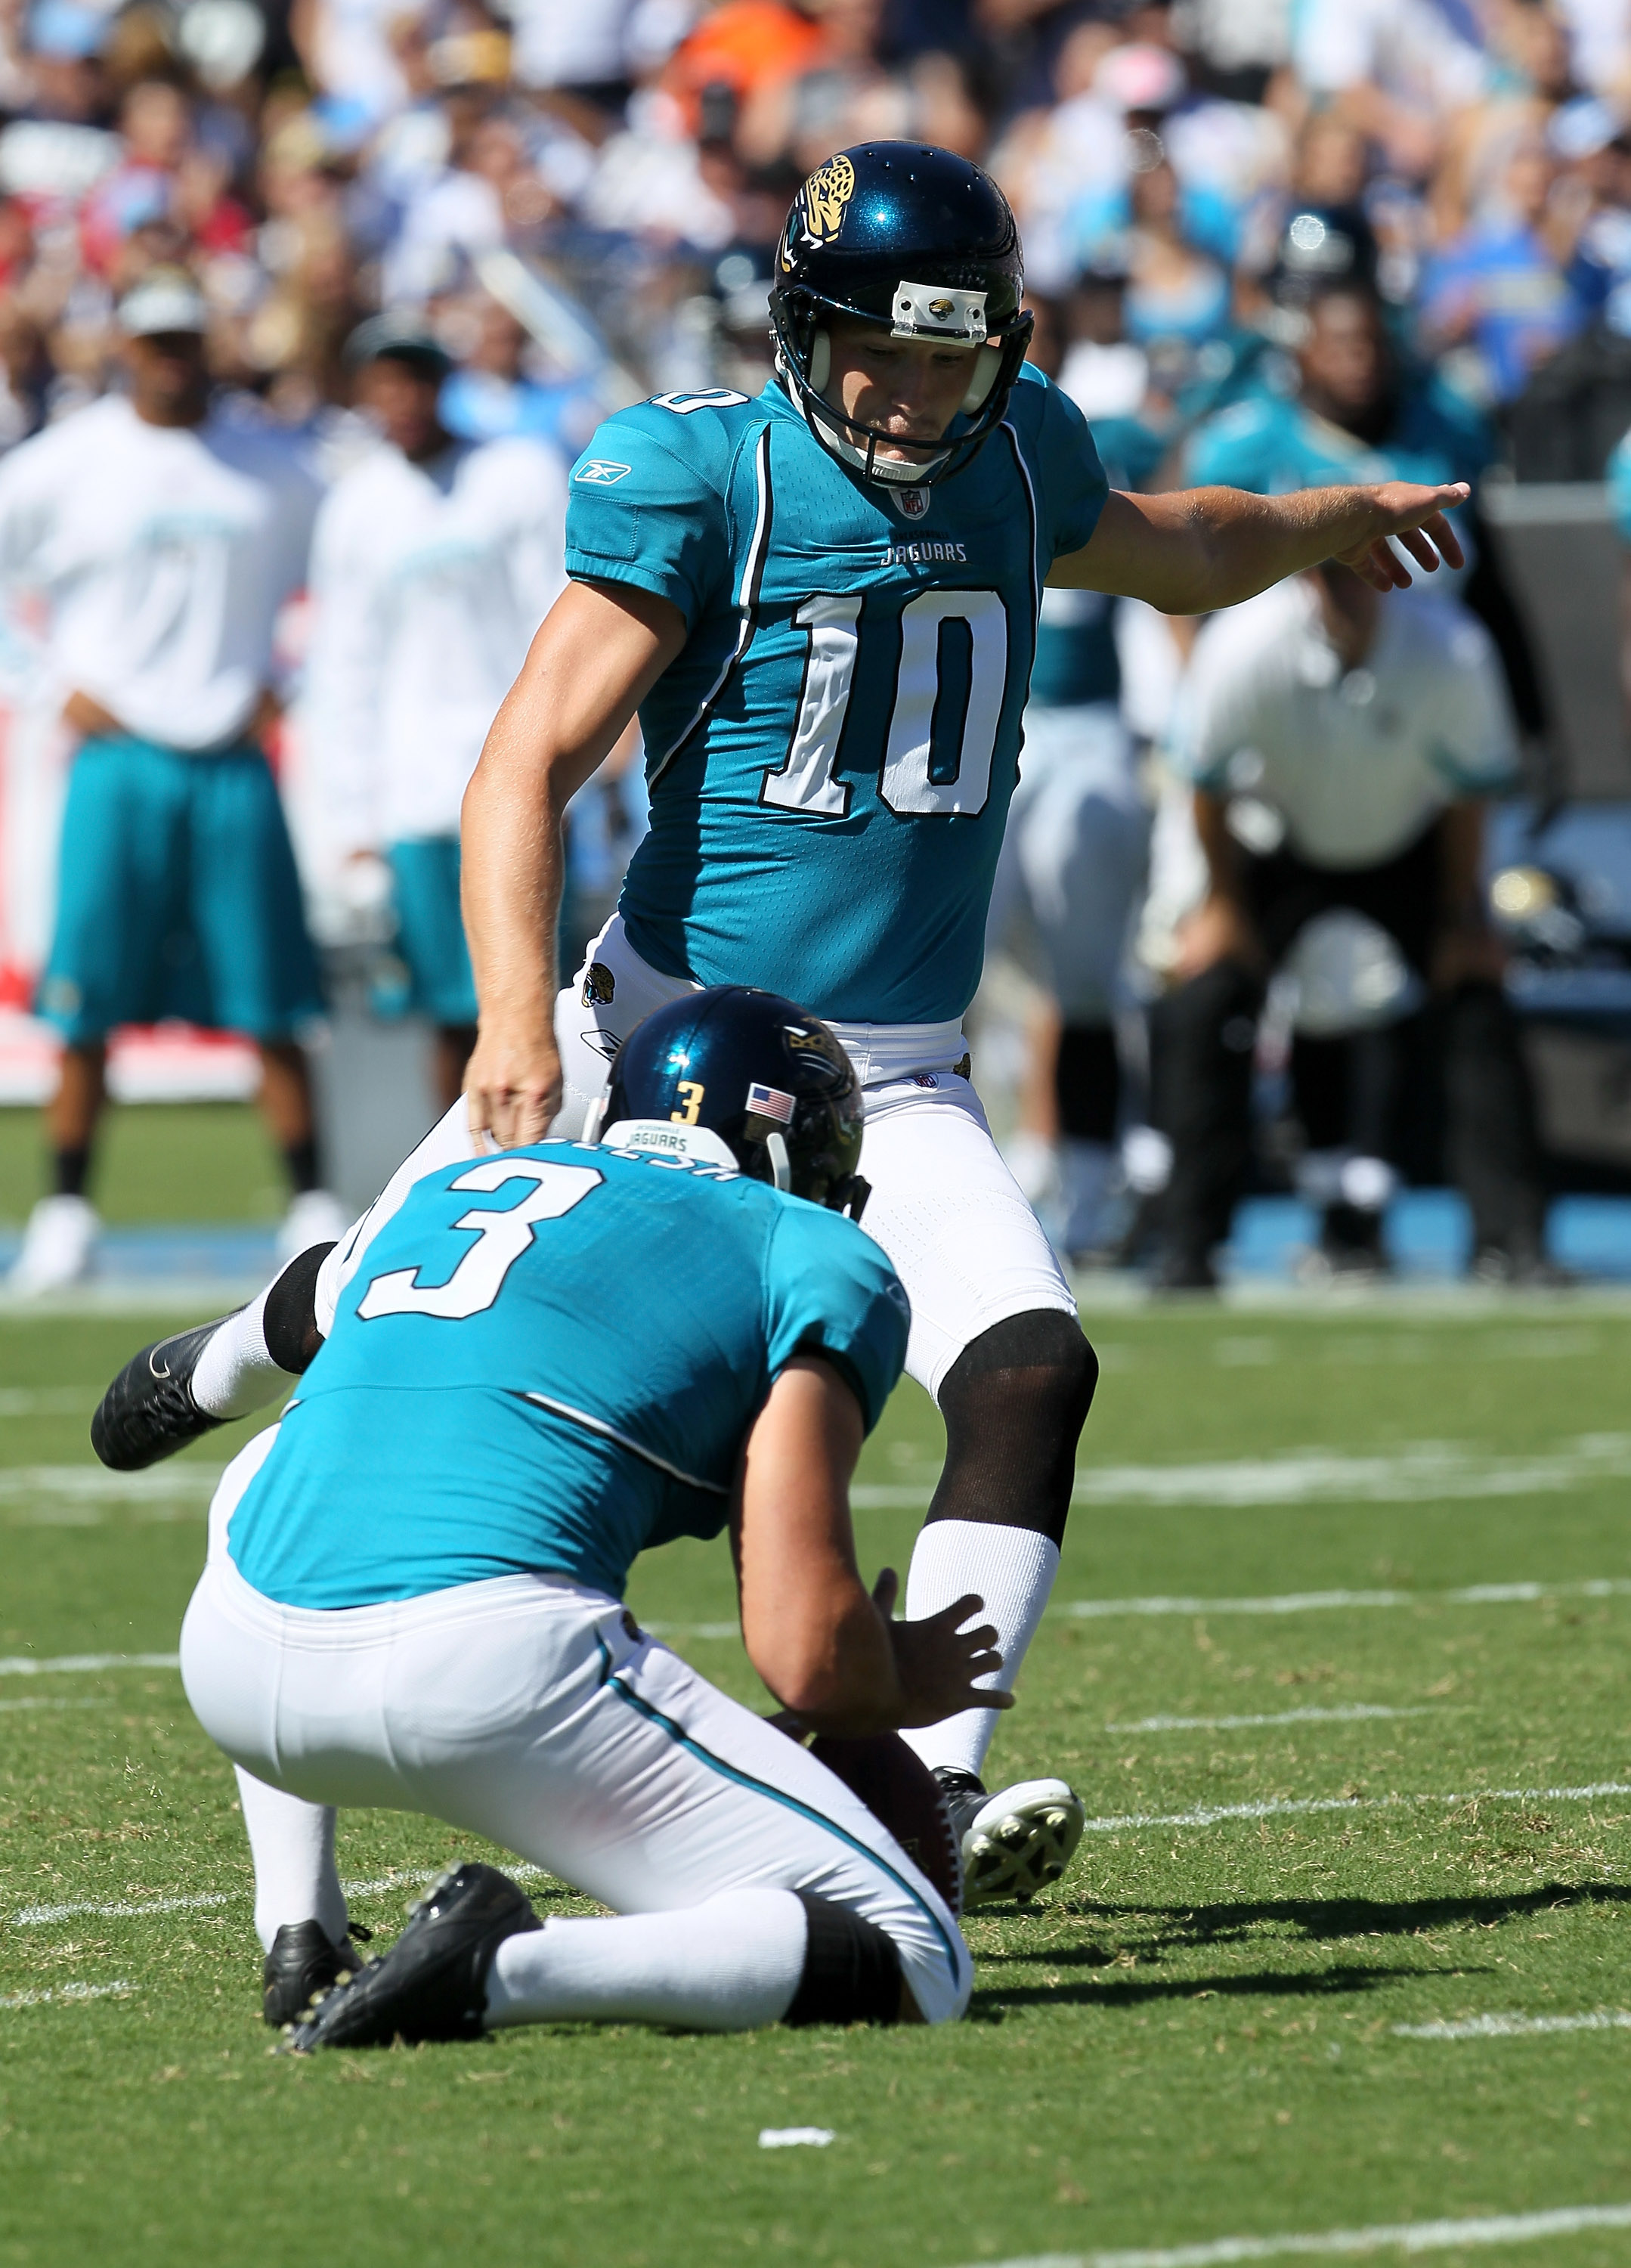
(160, 1161)
(1193, 2038)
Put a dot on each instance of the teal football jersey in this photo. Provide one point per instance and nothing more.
(548, 1361)
(832, 755)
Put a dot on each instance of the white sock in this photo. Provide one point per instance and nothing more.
(728, 1965)
(1012, 1569)
(292, 1844)
(235, 1373)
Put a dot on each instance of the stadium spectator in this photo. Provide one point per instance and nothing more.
(1503, 286)
(1340, 752)
(1355, 414)
(164, 534)
(632, 159)
(434, 562)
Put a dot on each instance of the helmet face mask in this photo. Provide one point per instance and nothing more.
(922, 244)
(732, 1075)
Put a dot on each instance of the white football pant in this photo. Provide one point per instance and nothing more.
(532, 1711)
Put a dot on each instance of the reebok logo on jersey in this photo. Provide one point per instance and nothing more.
(770, 1102)
(600, 472)
(925, 555)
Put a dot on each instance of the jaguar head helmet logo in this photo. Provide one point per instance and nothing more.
(824, 198)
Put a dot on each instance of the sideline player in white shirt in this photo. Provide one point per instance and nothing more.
(165, 534)
(1372, 735)
(433, 563)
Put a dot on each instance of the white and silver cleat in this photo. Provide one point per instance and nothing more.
(1017, 1842)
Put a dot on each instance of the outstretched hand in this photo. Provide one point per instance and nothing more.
(938, 1662)
(1412, 517)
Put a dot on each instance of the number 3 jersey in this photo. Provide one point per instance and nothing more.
(832, 755)
(548, 1361)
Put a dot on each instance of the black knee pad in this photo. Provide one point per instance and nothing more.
(288, 1322)
(1014, 1403)
(851, 1972)
(1088, 1082)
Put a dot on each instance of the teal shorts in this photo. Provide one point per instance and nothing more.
(430, 930)
(177, 896)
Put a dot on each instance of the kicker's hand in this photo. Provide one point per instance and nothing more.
(512, 1085)
(1412, 517)
(938, 1661)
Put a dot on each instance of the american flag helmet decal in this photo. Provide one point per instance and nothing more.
(770, 1102)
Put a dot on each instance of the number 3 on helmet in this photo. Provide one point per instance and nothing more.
(923, 244)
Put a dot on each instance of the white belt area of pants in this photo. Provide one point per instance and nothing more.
(882, 1052)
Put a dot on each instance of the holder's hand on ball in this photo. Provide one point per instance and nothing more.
(938, 1662)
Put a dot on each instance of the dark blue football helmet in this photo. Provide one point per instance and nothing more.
(744, 1078)
(923, 243)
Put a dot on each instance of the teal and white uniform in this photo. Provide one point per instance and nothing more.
(542, 1364)
(550, 1360)
(831, 757)
(831, 760)
(163, 556)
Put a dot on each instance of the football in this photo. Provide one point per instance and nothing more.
(899, 1788)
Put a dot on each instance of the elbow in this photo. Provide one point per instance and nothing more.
(803, 1676)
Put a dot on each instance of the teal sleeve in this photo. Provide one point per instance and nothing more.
(638, 512)
(1071, 487)
(829, 1291)
(1620, 487)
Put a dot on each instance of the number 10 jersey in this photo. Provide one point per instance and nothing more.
(832, 755)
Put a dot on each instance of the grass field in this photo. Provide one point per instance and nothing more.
(1220, 2025)
(169, 1161)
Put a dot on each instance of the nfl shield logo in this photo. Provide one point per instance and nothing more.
(913, 503)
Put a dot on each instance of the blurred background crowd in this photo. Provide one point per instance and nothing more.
(1465, 161)
(1268, 242)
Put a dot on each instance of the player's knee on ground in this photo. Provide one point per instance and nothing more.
(852, 1973)
(1014, 1403)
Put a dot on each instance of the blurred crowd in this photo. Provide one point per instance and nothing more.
(1269, 243)
(581, 195)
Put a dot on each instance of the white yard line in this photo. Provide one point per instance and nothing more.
(1307, 1602)
(1288, 1807)
(195, 1901)
(28, 1664)
(60, 1993)
(48, 1401)
(1511, 2028)
(90, 1484)
(1408, 2236)
(1422, 1472)
(1359, 1711)
(1283, 1603)
(102, 1701)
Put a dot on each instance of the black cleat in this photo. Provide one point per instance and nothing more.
(304, 1963)
(149, 1411)
(432, 1984)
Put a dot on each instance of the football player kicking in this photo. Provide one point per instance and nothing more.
(829, 639)
(541, 1364)
(824, 603)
